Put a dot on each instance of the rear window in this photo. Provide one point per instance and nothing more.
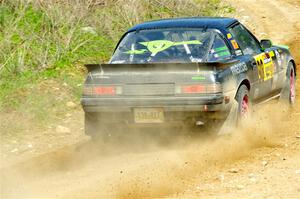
(164, 45)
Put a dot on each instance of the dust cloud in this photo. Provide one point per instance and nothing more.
(179, 168)
(142, 168)
(150, 164)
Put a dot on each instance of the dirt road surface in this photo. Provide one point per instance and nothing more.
(261, 160)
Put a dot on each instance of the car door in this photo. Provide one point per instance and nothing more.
(259, 60)
(279, 69)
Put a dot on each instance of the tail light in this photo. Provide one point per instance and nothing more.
(105, 90)
(193, 89)
(199, 89)
(102, 90)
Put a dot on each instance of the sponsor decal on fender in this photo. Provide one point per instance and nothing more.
(265, 65)
(238, 68)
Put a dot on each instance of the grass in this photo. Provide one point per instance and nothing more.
(43, 44)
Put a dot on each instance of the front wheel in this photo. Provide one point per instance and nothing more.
(288, 93)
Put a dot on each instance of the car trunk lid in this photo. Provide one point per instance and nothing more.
(160, 79)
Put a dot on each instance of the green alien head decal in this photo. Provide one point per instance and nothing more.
(157, 46)
(160, 45)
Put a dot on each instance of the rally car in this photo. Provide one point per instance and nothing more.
(184, 71)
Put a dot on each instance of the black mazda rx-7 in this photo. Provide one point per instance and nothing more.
(185, 71)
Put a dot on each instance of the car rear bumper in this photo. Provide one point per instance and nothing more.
(202, 103)
(176, 110)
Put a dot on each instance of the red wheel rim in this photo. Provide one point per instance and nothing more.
(292, 87)
(245, 107)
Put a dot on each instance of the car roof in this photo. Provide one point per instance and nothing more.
(191, 22)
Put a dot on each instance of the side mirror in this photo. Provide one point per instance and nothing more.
(266, 43)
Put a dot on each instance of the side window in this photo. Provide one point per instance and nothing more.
(219, 50)
(247, 43)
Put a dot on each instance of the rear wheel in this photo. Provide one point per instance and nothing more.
(288, 93)
(240, 112)
(244, 104)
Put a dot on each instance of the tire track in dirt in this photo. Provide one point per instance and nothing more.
(278, 20)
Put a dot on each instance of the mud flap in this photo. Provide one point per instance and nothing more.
(231, 121)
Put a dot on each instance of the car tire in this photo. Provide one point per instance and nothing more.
(288, 93)
(244, 104)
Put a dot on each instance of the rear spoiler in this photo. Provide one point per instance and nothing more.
(159, 66)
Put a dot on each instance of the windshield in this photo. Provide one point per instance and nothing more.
(163, 45)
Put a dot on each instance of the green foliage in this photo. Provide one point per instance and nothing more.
(33, 41)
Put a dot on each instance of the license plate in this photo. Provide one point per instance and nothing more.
(148, 115)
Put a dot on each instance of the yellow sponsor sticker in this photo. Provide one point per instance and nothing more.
(229, 36)
(265, 65)
(234, 44)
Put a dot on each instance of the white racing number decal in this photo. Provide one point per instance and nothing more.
(238, 68)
